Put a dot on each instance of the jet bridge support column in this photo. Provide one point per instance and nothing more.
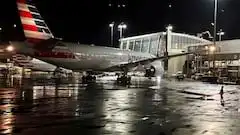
(167, 45)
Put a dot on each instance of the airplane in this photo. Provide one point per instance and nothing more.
(41, 44)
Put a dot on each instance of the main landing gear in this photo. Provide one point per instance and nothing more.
(124, 79)
(89, 78)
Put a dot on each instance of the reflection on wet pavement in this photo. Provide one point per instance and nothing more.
(153, 107)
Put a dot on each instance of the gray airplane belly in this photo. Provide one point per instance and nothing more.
(92, 64)
(78, 64)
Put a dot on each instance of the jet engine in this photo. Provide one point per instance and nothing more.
(154, 69)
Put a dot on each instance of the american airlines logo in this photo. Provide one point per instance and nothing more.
(33, 24)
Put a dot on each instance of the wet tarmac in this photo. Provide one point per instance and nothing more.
(147, 107)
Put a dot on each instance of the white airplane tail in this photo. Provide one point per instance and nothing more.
(34, 27)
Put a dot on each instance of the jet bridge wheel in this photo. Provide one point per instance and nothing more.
(88, 79)
(124, 79)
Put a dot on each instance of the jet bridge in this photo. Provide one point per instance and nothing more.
(160, 43)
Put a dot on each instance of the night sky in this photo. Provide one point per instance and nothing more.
(87, 21)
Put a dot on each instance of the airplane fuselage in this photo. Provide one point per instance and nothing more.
(80, 57)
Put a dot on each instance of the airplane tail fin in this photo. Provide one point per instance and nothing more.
(34, 27)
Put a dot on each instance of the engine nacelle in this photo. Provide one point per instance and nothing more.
(154, 69)
(150, 72)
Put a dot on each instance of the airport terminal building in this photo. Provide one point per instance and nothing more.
(225, 60)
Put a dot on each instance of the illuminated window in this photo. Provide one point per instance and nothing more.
(131, 43)
(137, 45)
(154, 45)
(124, 45)
(145, 45)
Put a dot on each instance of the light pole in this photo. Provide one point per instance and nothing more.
(220, 34)
(121, 28)
(215, 21)
(111, 25)
(215, 32)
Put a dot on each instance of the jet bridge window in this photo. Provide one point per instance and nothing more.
(145, 45)
(137, 45)
(154, 45)
(131, 45)
(124, 45)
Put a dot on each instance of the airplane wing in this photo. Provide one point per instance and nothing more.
(143, 62)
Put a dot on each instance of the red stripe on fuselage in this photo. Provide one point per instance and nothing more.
(25, 14)
(54, 55)
(34, 40)
(29, 27)
(21, 1)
